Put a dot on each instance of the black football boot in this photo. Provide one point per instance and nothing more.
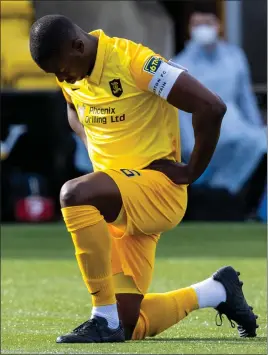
(235, 308)
(94, 330)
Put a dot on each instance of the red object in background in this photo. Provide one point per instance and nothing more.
(34, 209)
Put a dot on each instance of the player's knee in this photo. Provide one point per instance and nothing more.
(69, 194)
(97, 190)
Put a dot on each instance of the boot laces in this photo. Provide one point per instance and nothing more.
(86, 326)
(219, 320)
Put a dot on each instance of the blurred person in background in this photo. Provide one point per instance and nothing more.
(239, 163)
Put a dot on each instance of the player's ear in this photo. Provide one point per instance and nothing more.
(78, 45)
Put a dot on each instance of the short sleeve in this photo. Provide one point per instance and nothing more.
(152, 72)
(65, 94)
(144, 64)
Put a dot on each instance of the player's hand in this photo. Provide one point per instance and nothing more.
(175, 171)
(182, 175)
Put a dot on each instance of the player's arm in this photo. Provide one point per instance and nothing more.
(74, 122)
(172, 83)
(73, 119)
(207, 110)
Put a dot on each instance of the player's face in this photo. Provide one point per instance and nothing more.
(71, 65)
(70, 70)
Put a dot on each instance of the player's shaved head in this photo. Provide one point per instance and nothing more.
(59, 46)
(48, 37)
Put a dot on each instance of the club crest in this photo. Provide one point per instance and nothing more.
(116, 87)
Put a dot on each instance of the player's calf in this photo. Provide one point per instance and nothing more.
(86, 203)
(129, 310)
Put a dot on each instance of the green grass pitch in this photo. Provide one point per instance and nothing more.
(43, 295)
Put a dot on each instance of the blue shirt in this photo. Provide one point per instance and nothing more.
(224, 71)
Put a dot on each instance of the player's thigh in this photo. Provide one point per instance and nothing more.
(96, 189)
(152, 202)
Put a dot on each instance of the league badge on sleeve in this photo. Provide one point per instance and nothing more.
(152, 64)
(116, 87)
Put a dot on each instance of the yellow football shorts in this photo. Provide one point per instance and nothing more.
(152, 204)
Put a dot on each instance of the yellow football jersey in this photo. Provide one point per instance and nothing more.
(126, 124)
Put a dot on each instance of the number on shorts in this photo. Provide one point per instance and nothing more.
(130, 173)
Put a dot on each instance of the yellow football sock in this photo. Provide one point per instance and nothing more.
(159, 311)
(93, 251)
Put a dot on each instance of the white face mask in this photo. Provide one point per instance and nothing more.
(204, 34)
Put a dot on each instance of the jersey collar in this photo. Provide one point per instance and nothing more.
(95, 76)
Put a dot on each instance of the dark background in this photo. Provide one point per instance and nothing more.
(47, 148)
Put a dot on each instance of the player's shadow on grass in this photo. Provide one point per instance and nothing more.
(230, 340)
